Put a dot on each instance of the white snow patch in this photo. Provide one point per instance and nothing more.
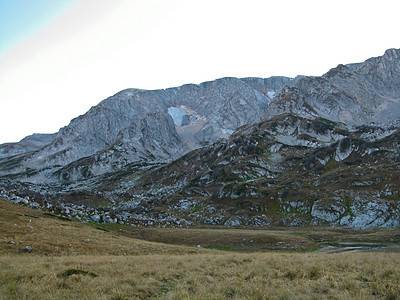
(177, 114)
(271, 94)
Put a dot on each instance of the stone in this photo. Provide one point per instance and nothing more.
(329, 210)
(95, 218)
(336, 134)
(233, 222)
(136, 124)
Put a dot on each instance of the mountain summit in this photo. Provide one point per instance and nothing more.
(354, 94)
(158, 126)
(250, 152)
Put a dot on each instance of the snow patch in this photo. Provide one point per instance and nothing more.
(178, 114)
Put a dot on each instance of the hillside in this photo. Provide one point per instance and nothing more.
(153, 126)
(309, 151)
(50, 235)
(283, 171)
(74, 260)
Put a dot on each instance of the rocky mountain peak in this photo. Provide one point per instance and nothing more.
(154, 125)
(250, 152)
(392, 55)
(354, 94)
(30, 143)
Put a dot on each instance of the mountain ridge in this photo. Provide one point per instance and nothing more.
(234, 152)
(354, 94)
(130, 119)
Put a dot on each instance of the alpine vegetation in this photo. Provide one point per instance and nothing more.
(304, 151)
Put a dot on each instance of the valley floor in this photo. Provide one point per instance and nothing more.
(205, 276)
(70, 260)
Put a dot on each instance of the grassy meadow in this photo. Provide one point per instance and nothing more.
(70, 260)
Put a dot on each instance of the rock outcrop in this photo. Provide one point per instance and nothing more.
(293, 170)
(353, 94)
(30, 143)
(138, 125)
(306, 151)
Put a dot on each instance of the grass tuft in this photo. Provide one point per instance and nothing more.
(64, 266)
(71, 272)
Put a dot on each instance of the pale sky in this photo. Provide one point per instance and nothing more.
(60, 57)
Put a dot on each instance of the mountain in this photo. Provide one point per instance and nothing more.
(138, 125)
(286, 170)
(28, 144)
(354, 94)
(249, 152)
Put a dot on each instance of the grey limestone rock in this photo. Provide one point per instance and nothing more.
(329, 210)
(266, 152)
(374, 213)
(352, 94)
(30, 143)
(159, 125)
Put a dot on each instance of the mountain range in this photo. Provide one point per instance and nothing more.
(234, 152)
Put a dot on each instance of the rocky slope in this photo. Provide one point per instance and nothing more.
(285, 171)
(30, 143)
(354, 94)
(249, 152)
(139, 125)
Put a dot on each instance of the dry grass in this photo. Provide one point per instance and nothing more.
(256, 240)
(96, 269)
(49, 235)
(231, 276)
(242, 240)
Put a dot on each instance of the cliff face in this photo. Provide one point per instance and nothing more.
(286, 170)
(354, 94)
(30, 143)
(136, 125)
(251, 151)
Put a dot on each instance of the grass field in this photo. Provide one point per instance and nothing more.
(70, 260)
(256, 240)
(202, 276)
(49, 235)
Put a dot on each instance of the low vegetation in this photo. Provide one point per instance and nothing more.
(70, 260)
(50, 235)
(256, 240)
(205, 276)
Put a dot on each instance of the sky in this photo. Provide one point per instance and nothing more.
(60, 57)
